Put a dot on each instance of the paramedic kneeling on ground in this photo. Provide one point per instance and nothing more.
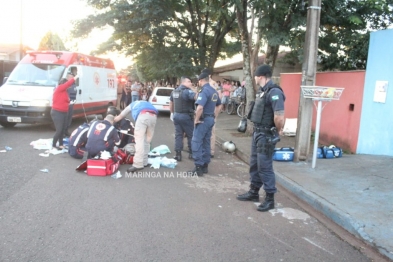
(78, 140)
(145, 116)
(267, 114)
(102, 136)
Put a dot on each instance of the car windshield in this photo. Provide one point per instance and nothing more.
(164, 92)
(36, 75)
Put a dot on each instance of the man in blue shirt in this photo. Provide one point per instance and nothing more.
(182, 106)
(145, 116)
(208, 107)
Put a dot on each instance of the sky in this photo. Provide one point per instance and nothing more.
(41, 16)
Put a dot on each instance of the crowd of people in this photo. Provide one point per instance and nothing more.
(195, 110)
(130, 91)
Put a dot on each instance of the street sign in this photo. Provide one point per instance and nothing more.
(320, 94)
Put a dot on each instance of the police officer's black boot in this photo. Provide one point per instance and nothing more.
(204, 169)
(251, 195)
(189, 154)
(198, 170)
(178, 155)
(268, 204)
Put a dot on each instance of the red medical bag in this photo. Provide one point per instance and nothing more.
(102, 167)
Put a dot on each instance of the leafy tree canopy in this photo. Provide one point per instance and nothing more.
(51, 41)
(345, 28)
(170, 38)
(165, 37)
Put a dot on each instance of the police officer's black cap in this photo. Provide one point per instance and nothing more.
(203, 76)
(207, 71)
(263, 70)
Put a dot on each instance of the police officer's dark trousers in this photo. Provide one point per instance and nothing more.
(201, 141)
(183, 124)
(261, 165)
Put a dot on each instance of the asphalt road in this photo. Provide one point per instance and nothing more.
(65, 215)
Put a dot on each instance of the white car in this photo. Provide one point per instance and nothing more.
(160, 98)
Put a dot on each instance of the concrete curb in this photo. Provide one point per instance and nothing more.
(340, 217)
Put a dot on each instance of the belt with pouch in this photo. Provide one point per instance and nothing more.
(206, 115)
(262, 129)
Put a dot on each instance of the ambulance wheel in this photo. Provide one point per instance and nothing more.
(7, 124)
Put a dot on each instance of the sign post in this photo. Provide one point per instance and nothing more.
(320, 94)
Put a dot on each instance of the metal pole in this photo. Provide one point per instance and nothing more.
(303, 132)
(316, 139)
(21, 29)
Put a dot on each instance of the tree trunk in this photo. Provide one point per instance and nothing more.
(255, 52)
(271, 55)
(241, 13)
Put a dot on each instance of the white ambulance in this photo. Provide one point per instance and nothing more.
(26, 96)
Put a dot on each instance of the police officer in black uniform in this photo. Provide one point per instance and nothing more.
(208, 107)
(182, 106)
(267, 114)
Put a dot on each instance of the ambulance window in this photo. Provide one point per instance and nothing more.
(36, 74)
(73, 70)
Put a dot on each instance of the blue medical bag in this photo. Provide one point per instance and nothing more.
(331, 152)
(283, 154)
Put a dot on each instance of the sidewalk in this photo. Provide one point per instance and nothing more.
(355, 191)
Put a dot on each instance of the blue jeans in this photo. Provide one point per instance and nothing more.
(261, 166)
(135, 98)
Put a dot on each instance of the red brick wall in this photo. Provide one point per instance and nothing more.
(340, 120)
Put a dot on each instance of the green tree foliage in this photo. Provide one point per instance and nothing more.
(345, 27)
(51, 41)
(165, 37)
(344, 32)
(279, 18)
(170, 38)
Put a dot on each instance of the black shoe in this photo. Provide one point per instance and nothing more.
(204, 168)
(196, 171)
(267, 204)
(178, 156)
(211, 156)
(134, 169)
(251, 195)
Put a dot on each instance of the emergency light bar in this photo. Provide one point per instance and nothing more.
(35, 53)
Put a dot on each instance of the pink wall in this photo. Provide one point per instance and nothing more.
(339, 124)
